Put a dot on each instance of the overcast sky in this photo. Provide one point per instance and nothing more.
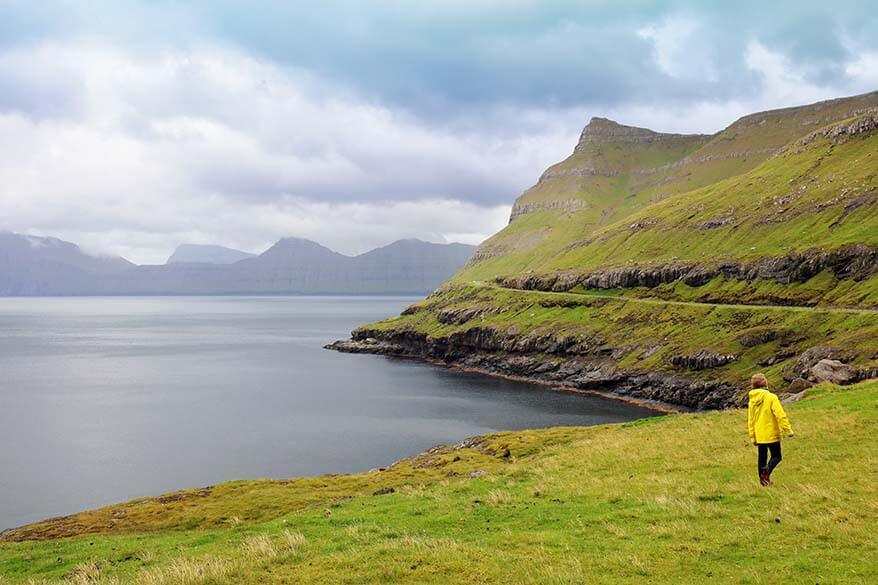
(130, 127)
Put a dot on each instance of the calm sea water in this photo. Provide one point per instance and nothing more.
(107, 399)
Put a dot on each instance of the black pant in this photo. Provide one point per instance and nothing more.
(764, 448)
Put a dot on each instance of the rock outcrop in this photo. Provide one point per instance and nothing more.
(866, 121)
(520, 209)
(601, 130)
(826, 364)
(702, 360)
(835, 372)
(460, 315)
(798, 386)
(809, 358)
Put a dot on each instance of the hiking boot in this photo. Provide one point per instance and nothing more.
(764, 478)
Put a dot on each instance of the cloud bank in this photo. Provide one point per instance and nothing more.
(136, 153)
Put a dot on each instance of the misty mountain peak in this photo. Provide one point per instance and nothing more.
(208, 254)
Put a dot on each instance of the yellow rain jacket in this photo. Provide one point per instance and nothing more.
(766, 419)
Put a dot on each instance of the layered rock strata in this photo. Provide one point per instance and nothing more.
(857, 261)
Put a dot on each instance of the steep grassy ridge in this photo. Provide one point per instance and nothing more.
(617, 170)
(667, 500)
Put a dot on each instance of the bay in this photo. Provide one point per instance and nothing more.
(104, 399)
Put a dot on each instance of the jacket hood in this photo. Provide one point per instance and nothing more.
(757, 396)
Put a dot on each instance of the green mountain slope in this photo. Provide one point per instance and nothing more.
(617, 170)
(663, 500)
(819, 193)
(655, 235)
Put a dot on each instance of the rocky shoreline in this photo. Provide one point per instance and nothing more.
(594, 372)
(587, 365)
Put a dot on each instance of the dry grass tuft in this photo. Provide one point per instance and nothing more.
(425, 543)
(354, 531)
(412, 490)
(187, 572)
(146, 556)
(234, 521)
(498, 497)
(294, 540)
(85, 574)
(259, 547)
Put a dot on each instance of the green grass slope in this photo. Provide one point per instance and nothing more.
(665, 500)
(820, 195)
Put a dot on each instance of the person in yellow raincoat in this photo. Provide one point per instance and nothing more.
(767, 423)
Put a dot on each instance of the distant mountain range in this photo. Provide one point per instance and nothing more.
(36, 266)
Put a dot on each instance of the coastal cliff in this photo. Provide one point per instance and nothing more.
(667, 268)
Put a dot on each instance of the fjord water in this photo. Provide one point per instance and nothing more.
(112, 398)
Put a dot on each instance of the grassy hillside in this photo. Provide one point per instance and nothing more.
(819, 195)
(778, 210)
(823, 194)
(665, 500)
(754, 190)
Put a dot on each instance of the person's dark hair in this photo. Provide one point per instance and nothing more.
(758, 381)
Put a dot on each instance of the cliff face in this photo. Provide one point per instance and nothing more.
(671, 254)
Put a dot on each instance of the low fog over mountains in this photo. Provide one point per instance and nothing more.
(34, 266)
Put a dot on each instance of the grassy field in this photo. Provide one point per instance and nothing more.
(666, 500)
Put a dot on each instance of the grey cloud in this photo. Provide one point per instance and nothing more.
(49, 93)
(439, 58)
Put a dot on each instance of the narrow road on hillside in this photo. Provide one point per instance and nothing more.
(649, 301)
